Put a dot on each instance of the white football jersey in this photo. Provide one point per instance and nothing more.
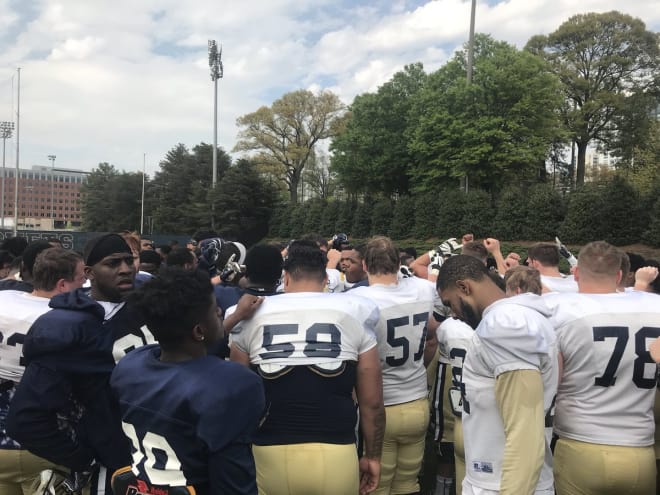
(514, 334)
(307, 328)
(559, 284)
(454, 338)
(405, 308)
(608, 384)
(18, 310)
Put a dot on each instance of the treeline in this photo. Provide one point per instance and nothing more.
(611, 209)
(180, 199)
(593, 82)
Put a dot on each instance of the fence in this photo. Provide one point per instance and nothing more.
(77, 240)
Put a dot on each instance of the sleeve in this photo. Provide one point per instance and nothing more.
(514, 341)
(32, 419)
(238, 336)
(231, 464)
(232, 470)
(368, 340)
(519, 397)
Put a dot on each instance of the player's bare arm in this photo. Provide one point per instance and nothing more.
(369, 390)
(245, 308)
(431, 340)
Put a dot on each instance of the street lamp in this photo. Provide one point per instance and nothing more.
(52, 189)
(6, 129)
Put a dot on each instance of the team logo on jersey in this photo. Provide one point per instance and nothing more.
(482, 467)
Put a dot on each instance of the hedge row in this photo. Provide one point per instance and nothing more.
(613, 211)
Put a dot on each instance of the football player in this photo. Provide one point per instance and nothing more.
(171, 403)
(406, 306)
(55, 271)
(454, 337)
(509, 382)
(604, 410)
(544, 256)
(70, 353)
(312, 350)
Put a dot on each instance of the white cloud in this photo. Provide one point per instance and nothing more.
(107, 81)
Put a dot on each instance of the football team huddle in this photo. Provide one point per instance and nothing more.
(327, 368)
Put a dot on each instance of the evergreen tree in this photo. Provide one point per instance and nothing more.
(381, 217)
(313, 214)
(584, 221)
(344, 221)
(652, 234)
(544, 213)
(362, 219)
(111, 200)
(237, 219)
(511, 215)
(403, 218)
(449, 210)
(329, 218)
(297, 221)
(477, 215)
(426, 215)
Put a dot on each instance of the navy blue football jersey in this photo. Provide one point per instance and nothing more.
(190, 423)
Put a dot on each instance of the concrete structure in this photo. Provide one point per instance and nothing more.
(36, 188)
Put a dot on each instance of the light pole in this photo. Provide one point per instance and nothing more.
(470, 62)
(215, 63)
(52, 189)
(144, 170)
(18, 141)
(6, 129)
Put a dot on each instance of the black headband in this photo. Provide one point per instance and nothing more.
(105, 245)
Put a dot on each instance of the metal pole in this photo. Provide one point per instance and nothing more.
(215, 132)
(470, 60)
(52, 189)
(18, 133)
(215, 64)
(2, 206)
(470, 63)
(144, 169)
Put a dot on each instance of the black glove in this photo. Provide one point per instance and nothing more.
(78, 480)
(563, 250)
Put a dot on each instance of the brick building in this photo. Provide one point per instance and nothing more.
(36, 187)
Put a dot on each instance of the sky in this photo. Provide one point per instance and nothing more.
(118, 81)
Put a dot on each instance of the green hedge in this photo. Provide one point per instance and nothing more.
(613, 211)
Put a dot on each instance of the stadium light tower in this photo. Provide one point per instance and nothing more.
(470, 63)
(52, 188)
(215, 64)
(6, 129)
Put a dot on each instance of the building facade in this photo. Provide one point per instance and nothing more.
(47, 198)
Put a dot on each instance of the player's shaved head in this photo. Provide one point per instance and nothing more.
(460, 267)
(305, 260)
(599, 260)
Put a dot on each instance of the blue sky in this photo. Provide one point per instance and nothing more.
(109, 81)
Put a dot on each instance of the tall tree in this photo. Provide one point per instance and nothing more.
(284, 135)
(497, 129)
(371, 155)
(111, 200)
(182, 186)
(243, 202)
(603, 61)
(318, 177)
